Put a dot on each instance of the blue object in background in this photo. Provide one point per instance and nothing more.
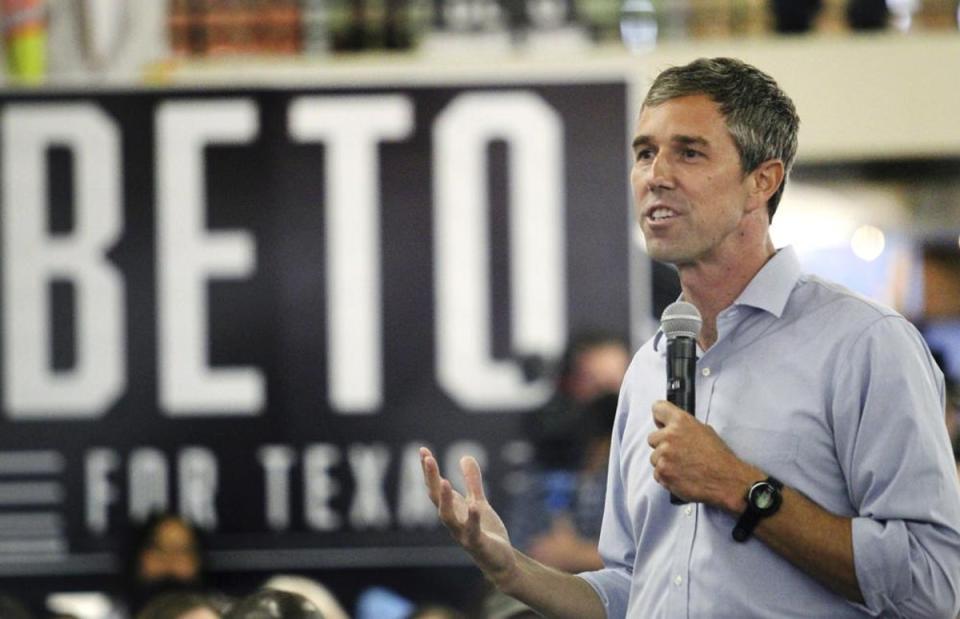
(560, 487)
(944, 336)
(382, 603)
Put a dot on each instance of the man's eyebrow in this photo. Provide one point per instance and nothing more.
(690, 140)
(685, 140)
(641, 140)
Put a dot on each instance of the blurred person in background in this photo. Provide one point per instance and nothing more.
(164, 555)
(556, 518)
(274, 604)
(592, 366)
(556, 513)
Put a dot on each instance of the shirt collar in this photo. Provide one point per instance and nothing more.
(770, 288)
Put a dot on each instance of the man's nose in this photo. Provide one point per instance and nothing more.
(660, 172)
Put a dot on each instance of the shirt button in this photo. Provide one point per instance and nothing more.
(705, 371)
(678, 580)
(688, 510)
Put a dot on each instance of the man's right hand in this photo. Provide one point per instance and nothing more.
(473, 523)
(471, 520)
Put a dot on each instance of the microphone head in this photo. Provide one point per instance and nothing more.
(680, 319)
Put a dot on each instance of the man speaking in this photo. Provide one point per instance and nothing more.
(816, 478)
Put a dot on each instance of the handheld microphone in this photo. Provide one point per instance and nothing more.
(680, 324)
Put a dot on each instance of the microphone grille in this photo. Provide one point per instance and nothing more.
(680, 319)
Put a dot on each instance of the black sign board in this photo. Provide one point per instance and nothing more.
(253, 306)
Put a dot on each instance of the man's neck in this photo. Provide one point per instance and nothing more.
(713, 286)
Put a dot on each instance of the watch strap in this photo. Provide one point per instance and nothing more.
(751, 516)
(745, 525)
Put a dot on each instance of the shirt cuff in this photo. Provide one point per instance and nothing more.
(612, 587)
(881, 557)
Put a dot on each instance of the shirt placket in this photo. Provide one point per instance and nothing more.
(689, 513)
(679, 582)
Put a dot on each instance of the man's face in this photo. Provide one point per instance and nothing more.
(688, 186)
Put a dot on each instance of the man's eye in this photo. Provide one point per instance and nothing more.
(689, 153)
(644, 154)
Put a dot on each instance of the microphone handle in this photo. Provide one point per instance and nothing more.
(682, 380)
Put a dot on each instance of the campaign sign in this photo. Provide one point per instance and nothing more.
(253, 306)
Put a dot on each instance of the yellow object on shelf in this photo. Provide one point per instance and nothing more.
(25, 40)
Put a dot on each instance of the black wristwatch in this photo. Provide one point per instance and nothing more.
(763, 501)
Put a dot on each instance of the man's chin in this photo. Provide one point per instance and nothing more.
(669, 255)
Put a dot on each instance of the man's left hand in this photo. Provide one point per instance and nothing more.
(690, 460)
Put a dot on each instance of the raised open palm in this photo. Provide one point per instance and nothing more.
(470, 519)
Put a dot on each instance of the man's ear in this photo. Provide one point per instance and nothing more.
(766, 179)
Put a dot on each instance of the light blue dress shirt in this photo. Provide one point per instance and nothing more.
(836, 396)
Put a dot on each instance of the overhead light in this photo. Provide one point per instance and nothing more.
(812, 219)
(867, 243)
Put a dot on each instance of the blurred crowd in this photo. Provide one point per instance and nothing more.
(165, 578)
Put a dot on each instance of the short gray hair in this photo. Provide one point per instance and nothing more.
(760, 117)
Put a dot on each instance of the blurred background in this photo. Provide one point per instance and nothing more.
(256, 252)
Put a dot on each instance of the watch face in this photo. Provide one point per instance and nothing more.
(763, 499)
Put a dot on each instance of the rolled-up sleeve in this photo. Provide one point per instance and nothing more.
(617, 545)
(888, 411)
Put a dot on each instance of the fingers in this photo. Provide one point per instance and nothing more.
(431, 474)
(468, 467)
(664, 412)
(473, 478)
(446, 509)
(472, 526)
(667, 416)
(656, 437)
(664, 468)
(465, 528)
(455, 511)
